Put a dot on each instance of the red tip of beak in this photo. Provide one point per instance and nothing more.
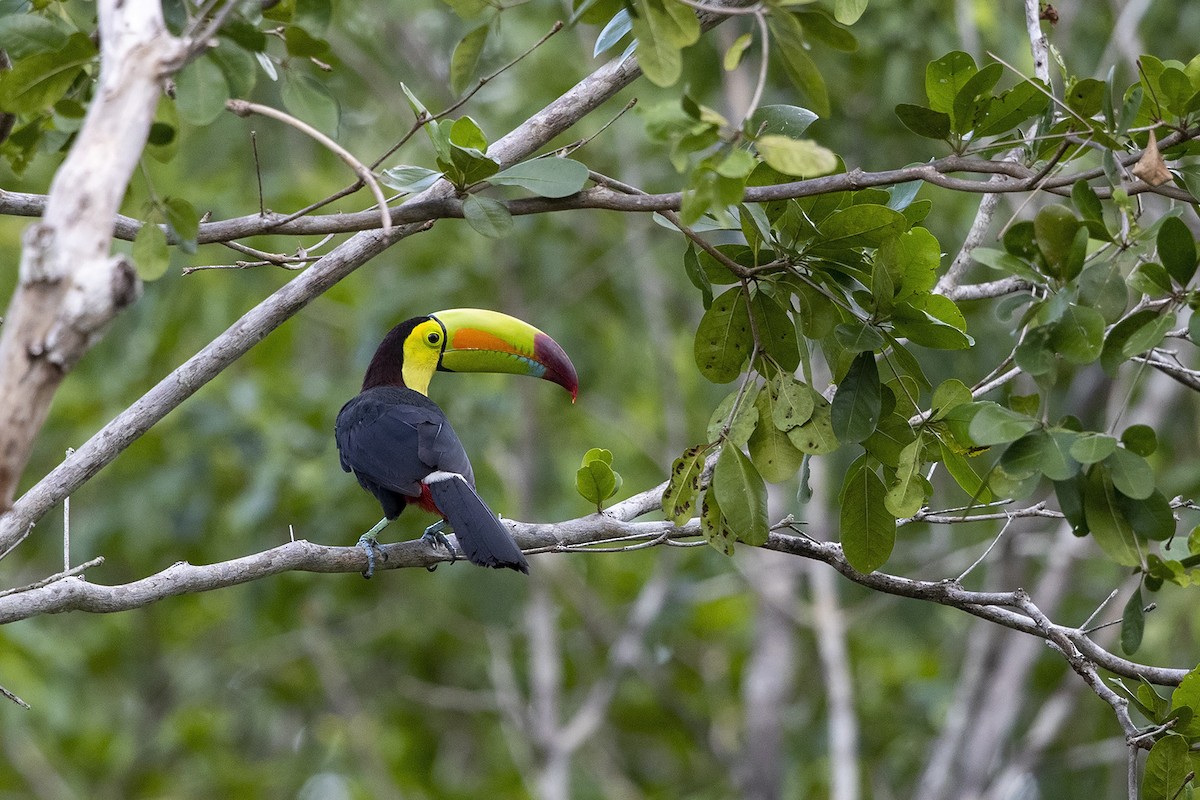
(559, 368)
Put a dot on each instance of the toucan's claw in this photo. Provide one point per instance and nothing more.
(369, 543)
(434, 537)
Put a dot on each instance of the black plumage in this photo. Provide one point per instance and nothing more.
(394, 438)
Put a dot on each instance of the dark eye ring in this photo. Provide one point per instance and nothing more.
(433, 337)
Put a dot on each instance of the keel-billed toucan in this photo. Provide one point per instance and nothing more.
(400, 445)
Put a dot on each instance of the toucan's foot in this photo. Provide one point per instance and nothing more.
(434, 537)
(371, 545)
(369, 542)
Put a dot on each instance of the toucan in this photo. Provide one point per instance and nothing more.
(400, 445)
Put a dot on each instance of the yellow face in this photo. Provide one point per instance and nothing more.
(422, 350)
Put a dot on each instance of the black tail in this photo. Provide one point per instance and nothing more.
(485, 541)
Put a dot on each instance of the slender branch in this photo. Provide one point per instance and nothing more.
(1003, 608)
(427, 207)
(244, 108)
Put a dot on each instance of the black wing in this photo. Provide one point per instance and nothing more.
(391, 438)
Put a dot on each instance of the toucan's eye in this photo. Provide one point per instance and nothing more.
(433, 337)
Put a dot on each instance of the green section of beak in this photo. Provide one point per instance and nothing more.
(478, 340)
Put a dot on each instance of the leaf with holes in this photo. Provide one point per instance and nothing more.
(680, 495)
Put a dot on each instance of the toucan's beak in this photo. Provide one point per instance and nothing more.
(488, 341)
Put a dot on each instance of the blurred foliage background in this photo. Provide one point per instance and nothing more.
(447, 685)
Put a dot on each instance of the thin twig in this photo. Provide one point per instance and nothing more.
(14, 698)
(244, 108)
(990, 547)
(58, 576)
(421, 121)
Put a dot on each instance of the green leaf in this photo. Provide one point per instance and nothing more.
(866, 225)
(23, 35)
(39, 81)
(662, 32)
(596, 482)
(1135, 334)
(949, 395)
(924, 121)
(597, 454)
(743, 422)
(680, 495)
(1021, 103)
(1133, 623)
(310, 100)
(772, 452)
(1102, 287)
(547, 177)
(776, 331)
(789, 43)
(465, 59)
(697, 275)
(1177, 250)
(815, 437)
(1088, 448)
(1006, 263)
(793, 403)
(802, 158)
(742, 495)
(1070, 502)
(1140, 439)
(733, 56)
(858, 337)
(409, 179)
(465, 132)
(313, 15)
(912, 258)
(945, 77)
(906, 496)
(974, 97)
(1078, 336)
(964, 475)
(1131, 474)
(1187, 693)
(1087, 201)
(1167, 767)
(818, 26)
(1151, 518)
(1055, 228)
(857, 403)
(301, 44)
(184, 221)
(995, 424)
(847, 12)
(712, 524)
(781, 120)
(1151, 279)
(151, 256)
(723, 338)
(487, 216)
(1106, 522)
(1085, 97)
(868, 531)
(237, 65)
